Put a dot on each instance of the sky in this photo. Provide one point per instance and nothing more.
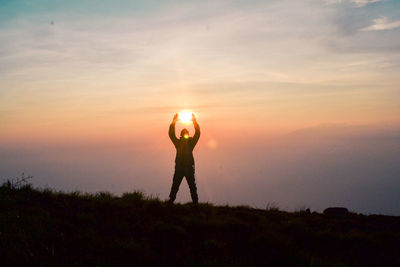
(298, 101)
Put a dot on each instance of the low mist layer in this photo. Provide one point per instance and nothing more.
(328, 165)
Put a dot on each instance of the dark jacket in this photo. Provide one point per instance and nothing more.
(184, 147)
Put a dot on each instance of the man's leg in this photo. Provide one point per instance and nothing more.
(176, 182)
(189, 173)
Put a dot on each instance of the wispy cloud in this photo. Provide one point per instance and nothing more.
(357, 3)
(101, 64)
(381, 24)
(361, 3)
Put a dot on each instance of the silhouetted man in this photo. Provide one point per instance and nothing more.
(184, 161)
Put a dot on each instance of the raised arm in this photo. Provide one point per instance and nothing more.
(196, 135)
(171, 131)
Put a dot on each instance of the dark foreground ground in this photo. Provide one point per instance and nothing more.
(53, 228)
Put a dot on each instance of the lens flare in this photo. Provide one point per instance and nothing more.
(186, 136)
(212, 144)
(185, 116)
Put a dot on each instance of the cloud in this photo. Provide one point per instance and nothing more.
(357, 3)
(361, 3)
(381, 24)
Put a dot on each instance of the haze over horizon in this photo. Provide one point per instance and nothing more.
(298, 101)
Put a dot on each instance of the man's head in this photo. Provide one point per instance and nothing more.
(185, 133)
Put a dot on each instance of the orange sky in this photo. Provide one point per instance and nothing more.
(81, 86)
(238, 66)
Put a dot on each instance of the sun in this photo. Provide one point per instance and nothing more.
(185, 116)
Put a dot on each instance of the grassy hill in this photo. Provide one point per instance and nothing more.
(47, 227)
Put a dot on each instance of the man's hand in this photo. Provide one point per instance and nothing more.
(175, 118)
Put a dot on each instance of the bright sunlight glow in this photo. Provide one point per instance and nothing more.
(185, 116)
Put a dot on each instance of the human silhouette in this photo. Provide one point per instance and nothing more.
(184, 161)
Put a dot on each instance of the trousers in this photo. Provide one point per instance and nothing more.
(181, 172)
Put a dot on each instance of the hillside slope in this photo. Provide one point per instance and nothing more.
(42, 226)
